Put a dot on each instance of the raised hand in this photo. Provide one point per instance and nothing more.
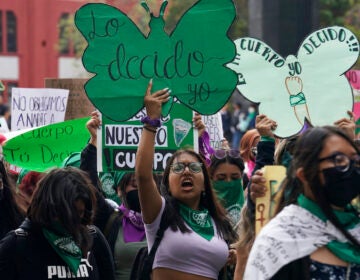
(154, 101)
(92, 125)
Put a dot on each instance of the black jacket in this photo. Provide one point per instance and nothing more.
(88, 164)
(108, 226)
(265, 156)
(28, 255)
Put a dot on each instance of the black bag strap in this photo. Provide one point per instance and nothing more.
(20, 247)
(159, 235)
(110, 222)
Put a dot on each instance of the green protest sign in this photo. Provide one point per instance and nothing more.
(47, 146)
(311, 85)
(120, 140)
(190, 61)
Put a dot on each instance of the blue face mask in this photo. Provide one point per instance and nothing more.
(341, 187)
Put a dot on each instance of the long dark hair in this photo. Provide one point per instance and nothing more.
(208, 201)
(215, 162)
(306, 154)
(12, 213)
(55, 197)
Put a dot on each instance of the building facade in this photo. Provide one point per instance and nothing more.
(30, 34)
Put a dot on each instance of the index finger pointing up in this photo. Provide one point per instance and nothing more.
(149, 87)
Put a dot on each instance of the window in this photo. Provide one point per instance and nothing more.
(1, 31)
(11, 32)
(70, 43)
(8, 32)
(65, 42)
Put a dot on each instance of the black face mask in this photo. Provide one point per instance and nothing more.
(132, 200)
(341, 187)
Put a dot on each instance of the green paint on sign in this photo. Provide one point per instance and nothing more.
(190, 61)
(47, 147)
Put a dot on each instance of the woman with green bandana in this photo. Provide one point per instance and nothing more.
(317, 236)
(123, 226)
(130, 231)
(226, 171)
(56, 240)
(194, 246)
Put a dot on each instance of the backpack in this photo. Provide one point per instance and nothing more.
(142, 265)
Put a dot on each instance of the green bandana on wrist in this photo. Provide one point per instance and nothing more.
(297, 99)
(66, 248)
(231, 196)
(198, 220)
(349, 220)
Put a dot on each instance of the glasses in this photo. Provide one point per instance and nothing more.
(342, 162)
(179, 167)
(220, 154)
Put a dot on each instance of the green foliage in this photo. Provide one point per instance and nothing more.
(70, 40)
(332, 11)
(342, 13)
(175, 10)
(240, 25)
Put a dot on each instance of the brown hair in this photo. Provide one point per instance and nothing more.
(248, 141)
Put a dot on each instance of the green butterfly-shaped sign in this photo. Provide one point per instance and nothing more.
(191, 61)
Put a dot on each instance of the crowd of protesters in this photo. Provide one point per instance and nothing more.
(59, 224)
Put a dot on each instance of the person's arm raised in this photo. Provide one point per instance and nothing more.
(347, 125)
(150, 199)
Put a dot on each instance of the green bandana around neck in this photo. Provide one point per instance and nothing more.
(65, 246)
(348, 219)
(198, 220)
(231, 196)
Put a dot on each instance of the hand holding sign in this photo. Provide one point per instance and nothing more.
(190, 61)
(311, 85)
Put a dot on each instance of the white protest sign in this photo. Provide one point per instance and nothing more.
(32, 107)
(310, 86)
(214, 127)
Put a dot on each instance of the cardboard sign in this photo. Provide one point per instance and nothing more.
(311, 85)
(78, 105)
(120, 141)
(45, 147)
(190, 61)
(34, 107)
(354, 78)
(274, 175)
(214, 127)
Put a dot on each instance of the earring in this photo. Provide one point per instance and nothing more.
(203, 194)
